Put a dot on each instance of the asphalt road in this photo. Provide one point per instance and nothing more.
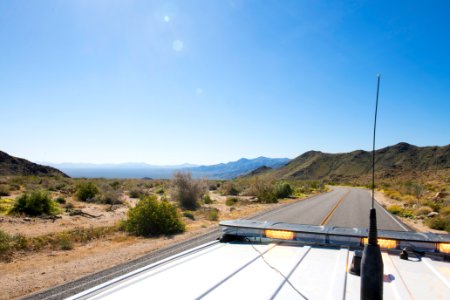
(343, 206)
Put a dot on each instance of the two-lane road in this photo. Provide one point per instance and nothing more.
(343, 206)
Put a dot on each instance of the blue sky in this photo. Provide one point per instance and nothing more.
(169, 82)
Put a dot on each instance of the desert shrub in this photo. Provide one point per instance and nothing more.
(445, 211)
(231, 201)
(136, 193)
(160, 191)
(229, 188)
(6, 246)
(59, 186)
(187, 191)
(207, 199)
(4, 190)
(34, 203)
(108, 195)
(188, 214)
(423, 211)
(395, 209)
(213, 215)
(212, 187)
(439, 223)
(436, 206)
(283, 190)
(69, 206)
(153, 217)
(115, 184)
(263, 190)
(407, 213)
(60, 200)
(393, 194)
(20, 242)
(5, 204)
(64, 241)
(86, 190)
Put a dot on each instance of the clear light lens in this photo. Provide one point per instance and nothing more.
(444, 247)
(279, 234)
(384, 243)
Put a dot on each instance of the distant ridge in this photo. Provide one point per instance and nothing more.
(141, 170)
(14, 166)
(390, 161)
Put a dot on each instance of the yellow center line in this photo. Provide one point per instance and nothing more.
(331, 213)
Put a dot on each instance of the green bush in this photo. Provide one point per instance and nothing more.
(189, 214)
(439, 223)
(136, 193)
(395, 209)
(4, 190)
(213, 215)
(160, 191)
(115, 185)
(231, 201)
(207, 199)
(423, 211)
(229, 188)
(34, 204)
(283, 190)
(5, 245)
(86, 190)
(65, 243)
(445, 211)
(153, 217)
(60, 200)
(263, 190)
(5, 204)
(407, 213)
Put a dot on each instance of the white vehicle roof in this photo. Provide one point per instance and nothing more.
(274, 270)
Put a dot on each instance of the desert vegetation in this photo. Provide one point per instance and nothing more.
(153, 217)
(61, 214)
(422, 197)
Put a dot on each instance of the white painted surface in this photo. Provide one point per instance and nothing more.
(237, 271)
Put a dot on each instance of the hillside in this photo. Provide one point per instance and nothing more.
(390, 161)
(10, 165)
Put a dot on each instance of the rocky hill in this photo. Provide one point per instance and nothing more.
(389, 161)
(10, 165)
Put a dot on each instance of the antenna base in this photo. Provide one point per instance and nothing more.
(372, 273)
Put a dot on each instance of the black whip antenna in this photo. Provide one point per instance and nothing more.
(372, 262)
(373, 143)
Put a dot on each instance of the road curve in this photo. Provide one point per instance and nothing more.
(343, 206)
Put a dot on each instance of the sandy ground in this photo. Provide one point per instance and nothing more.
(416, 225)
(30, 272)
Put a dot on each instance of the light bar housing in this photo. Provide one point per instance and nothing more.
(334, 236)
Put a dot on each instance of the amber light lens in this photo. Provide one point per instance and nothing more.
(384, 243)
(279, 234)
(444, 247)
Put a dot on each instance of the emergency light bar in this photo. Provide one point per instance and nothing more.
(333, 236)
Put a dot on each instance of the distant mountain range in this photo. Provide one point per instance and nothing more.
(389, 161)
(141, 170)
(313, 165)
(10, 165)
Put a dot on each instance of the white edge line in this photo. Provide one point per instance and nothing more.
(393, 218)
